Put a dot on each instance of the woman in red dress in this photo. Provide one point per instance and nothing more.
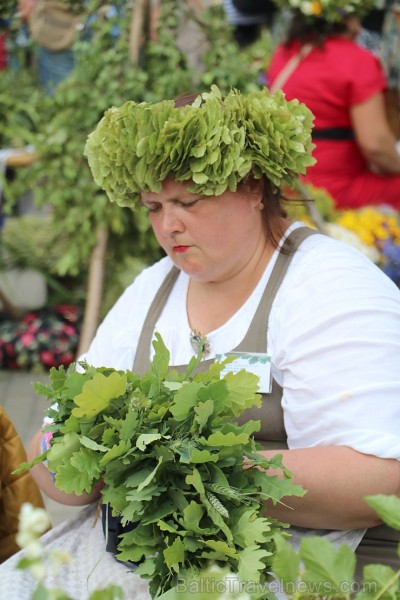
(343, 85)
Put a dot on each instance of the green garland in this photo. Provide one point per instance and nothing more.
(214, 143)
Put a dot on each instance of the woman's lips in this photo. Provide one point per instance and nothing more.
(181, 249)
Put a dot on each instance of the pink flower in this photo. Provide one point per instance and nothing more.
(27, 339)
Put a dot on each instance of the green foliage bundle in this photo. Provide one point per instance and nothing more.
(104, 76)
(20, 118)
(320, 570)
(7, 8)
(172, 459)
(223, 64)
(30, 241)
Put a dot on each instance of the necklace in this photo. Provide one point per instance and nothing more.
(199, 342)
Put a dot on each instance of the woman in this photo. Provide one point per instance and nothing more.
(343, 85)
(239, 275)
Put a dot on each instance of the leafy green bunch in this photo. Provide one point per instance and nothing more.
(174, 461)
(213, 143)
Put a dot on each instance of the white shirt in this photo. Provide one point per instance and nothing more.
(334, 339)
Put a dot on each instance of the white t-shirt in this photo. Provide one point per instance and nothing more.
(334, 339)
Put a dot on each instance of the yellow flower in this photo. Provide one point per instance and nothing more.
(316, 8)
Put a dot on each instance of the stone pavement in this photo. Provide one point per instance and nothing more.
(26, 410)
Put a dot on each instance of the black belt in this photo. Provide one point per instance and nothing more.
(333, 133)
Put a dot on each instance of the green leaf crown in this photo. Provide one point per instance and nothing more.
(329, 10)
(214, 143)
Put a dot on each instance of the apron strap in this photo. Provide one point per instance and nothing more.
(256, 336)
(141, 364)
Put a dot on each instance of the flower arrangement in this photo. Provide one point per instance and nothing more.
(373, 230)
(379, 230)
(330, 10)
(173, 460)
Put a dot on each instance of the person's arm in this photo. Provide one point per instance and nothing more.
(336, 478)
(41, 475)
(374, 136)
(25, 7)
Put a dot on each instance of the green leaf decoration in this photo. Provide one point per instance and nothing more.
(111, 592)
(196, 456)
(86, 461)
(70, 479)
(170, 454)
(285, 563)
(221, 550)
(387, 507)
(63, 450)
(203, 411)
(251, 563)
(115, 452)
(250, 529)
(192, 515)
(275, 488)
(226, 439)
(214, 144)
(185, 399)
(174, 555)
(380, 581)
(97, 394)
(150, 477)
(333, 567)
(146, 438)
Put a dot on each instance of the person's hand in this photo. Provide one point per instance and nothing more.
(25, 7)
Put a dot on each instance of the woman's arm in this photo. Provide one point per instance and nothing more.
(44, 480)
(25, 7)
(374, 136)
(336, 478)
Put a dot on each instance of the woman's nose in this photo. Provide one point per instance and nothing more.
(171, 221)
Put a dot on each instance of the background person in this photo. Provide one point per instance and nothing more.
(390, 54)
(54, 28)
(343, 85)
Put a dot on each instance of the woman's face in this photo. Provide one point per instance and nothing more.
(209, 238)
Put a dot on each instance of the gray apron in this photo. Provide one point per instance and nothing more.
(380, 543)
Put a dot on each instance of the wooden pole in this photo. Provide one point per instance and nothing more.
(98, 256)
(136, 32)
(95, 291)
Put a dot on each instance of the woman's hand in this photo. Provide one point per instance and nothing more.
(337, 478)
(42, 476)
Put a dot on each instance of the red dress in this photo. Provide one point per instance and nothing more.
(3, 51)
(329, 81)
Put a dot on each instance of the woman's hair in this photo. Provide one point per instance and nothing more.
(312, 30)
(185, 99)
(273, 212)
